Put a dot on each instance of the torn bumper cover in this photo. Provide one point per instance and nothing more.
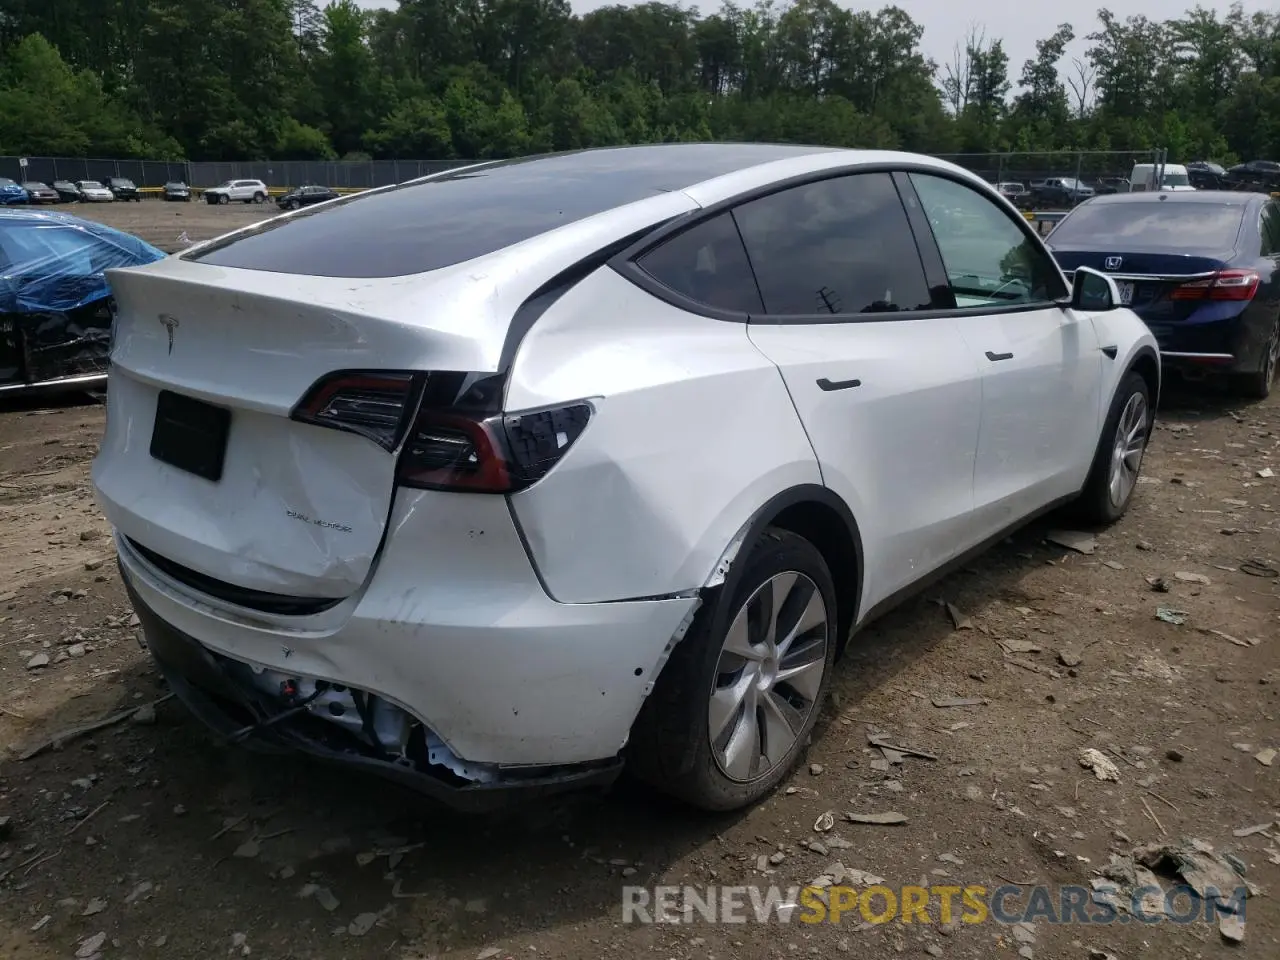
(269, 711)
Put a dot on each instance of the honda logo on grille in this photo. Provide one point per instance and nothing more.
(1113, 263)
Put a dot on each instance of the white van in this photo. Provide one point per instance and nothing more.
(1175, 177)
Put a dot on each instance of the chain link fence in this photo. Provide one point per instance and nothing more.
(1094, 168)
(340, 174)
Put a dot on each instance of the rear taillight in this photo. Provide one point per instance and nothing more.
(373, 404)
(1224, 285)
(447, 426)
(448, 450)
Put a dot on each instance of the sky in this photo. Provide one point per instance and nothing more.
(1019, 23)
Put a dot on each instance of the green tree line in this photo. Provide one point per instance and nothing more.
(473, 79)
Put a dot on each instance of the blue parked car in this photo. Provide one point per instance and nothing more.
(11, 194)
(1201, 268)
(55, 305)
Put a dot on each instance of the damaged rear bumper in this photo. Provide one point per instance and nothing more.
(215, 690)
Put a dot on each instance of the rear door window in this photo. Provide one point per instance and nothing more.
(839, 246)
(707, 264)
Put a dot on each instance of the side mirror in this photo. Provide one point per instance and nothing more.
(1093, 291)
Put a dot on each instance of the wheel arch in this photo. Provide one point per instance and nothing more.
(1146, 364)
(825, 520)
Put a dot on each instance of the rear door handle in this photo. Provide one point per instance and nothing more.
(999, 356)
(829, 385)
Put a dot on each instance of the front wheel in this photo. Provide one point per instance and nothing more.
(1118, 459)
(733, 709)
(1257, 385)
(224, 198)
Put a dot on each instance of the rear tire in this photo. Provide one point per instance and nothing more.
(1258, 385)
(765, 699)
(259, 198)
(1117, 463)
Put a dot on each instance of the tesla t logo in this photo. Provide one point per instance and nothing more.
(1113, 263)
(170, 324)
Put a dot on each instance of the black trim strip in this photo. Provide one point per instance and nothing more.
(260, 600)
(998, 356)
(541, 300)
(1111, 351)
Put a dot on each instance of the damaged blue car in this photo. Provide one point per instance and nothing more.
(55, 304)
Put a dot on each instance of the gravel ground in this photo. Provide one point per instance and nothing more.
(172, 226)
(144, 839)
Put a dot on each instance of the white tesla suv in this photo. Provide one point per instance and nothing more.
(501, 477)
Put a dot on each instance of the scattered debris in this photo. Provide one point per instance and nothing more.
(247, 850)
(1265, 757)
(1158, 584)
(91, 946)
(1069, 657)
(37, 661)
(815, 769)
(140, 891)
(41, 923)
(96, 905)
(1186, 577)
(1102, 767)
(362, 924)
(958, 619)
(1266, 473)
(1255, 829)
(70, 734)
(1019, 646)
(1073, 540)
(884, 745)
(145, 715)
(1175, 617)
(946, 702)
(824, 822)
(876, 819)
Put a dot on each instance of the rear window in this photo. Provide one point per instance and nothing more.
(1162, 225)
(424, 226)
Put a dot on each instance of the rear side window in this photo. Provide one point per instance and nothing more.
(707, 264)
(839, 246)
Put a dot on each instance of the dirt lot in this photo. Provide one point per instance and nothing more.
(144, 839)
(172, 226)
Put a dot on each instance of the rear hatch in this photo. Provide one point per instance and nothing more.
(202, 465)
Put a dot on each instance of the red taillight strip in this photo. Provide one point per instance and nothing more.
(1225, 285)
(401, 386)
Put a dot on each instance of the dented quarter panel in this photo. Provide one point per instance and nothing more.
(667, 473)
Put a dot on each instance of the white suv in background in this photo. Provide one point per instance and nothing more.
(496, 479)
(245, 191)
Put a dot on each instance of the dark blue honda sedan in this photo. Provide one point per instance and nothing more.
(1202, 269)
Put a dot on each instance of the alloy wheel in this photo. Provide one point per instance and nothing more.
(1126, 452)
(768, 676)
